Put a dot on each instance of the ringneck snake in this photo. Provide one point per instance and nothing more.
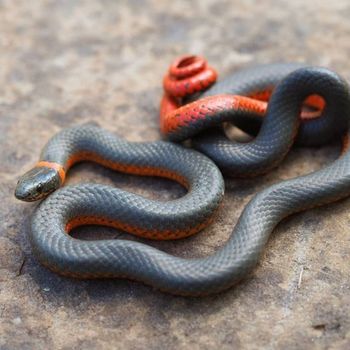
(71, 206)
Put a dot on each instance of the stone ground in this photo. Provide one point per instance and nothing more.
(67, 62)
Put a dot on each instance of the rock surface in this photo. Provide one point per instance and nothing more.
(68, 62)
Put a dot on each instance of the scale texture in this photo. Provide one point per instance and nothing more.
(149, 218)
(64, 63)
(240, 254)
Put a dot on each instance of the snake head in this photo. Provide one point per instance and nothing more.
(37, 183)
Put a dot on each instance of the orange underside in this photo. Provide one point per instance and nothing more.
(346, 143)
(129, 169)
(189, 74)
(174, 116)
(138, 231)
(126, 168)
(315, 102)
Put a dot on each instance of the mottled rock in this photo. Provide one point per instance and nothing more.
(68, 62)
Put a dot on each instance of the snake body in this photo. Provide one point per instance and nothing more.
(258, 82)
(236, 259)
(280, 128)
(74, 206)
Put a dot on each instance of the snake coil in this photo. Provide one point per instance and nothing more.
(236, 259)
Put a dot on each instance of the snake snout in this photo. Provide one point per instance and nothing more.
(37, 183)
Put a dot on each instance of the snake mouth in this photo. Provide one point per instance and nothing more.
(24, 196)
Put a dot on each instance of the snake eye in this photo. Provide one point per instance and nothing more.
(39, 188)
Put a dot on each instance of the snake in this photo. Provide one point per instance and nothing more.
(241, 98)
(90, 204)
(236, 259)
